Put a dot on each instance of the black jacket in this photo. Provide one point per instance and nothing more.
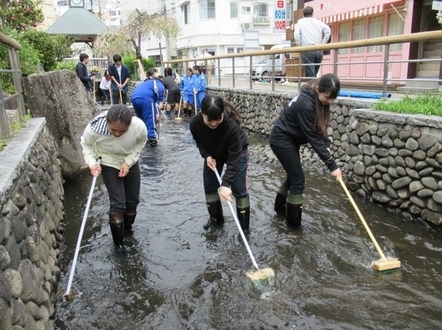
(224, 143)
(296, 126)
(83, 75)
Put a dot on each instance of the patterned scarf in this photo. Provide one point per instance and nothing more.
(99, 124)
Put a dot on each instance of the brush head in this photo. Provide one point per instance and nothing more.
(261, 277)
(386, 265)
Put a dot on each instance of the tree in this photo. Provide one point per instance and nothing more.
(138, 26)
(20, 14)
(62, 46)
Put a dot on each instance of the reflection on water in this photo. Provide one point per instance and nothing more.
(177, 276)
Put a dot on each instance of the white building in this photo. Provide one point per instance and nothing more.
(220, 26)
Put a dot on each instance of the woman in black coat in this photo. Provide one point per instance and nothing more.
(304, 120)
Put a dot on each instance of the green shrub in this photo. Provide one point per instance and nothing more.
(28, 55)
(430, 105)
(44, 44)
(131, 62)
(66, 65)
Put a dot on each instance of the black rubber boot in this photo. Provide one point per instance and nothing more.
(294, 210)
(293, 215)
(116, 221)
(129, 219)
(244, 219)
(216, 219)
(243, 213)
(280, 200)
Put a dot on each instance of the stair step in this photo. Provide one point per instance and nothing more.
(432, 53)
(430, 66)
(435, 46)
(427, 73)
(405, 89)
(418, 83)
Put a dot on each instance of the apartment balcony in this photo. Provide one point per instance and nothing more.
(262, 20)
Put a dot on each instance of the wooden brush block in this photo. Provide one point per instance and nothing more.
(386, 264)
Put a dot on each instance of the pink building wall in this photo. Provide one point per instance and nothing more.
(333, 12)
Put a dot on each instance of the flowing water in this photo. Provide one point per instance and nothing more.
(175, 275)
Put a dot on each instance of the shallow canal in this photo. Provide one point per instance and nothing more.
(178, 276)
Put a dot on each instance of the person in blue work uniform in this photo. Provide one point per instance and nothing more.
(186, 88)
(199, 85)
(146, 98)
(304, 120)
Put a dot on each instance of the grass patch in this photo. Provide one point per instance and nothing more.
(430, 105)
(15, 126)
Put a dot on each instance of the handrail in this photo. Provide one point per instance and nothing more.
(13, 48)
(401, 38)
(296, 53)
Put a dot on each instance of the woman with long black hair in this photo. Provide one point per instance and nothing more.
(221, 141)
(304, 120)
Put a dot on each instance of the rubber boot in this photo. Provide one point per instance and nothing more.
(216, 219)
(280, 200)
(294, 210)
(243, 213)
(129, 219)
(116, 221)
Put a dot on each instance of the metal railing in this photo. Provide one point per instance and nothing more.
(240, 65)
(14, 69)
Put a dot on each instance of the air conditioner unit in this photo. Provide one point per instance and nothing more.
(246, 26)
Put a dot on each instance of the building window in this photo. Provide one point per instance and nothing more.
(245, 9)
(344, 35)
(207, 9)
(186, 13)
(260, 9)
(289, 11)
(234, 9)
(230, 50)
(358, 33)
(395, 27)
(375, 30)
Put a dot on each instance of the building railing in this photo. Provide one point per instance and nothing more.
(232, 70)
(14, 70)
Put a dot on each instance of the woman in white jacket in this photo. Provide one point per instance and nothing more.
(118, 138)
(105, 87)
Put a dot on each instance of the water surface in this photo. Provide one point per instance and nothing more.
(178, 276)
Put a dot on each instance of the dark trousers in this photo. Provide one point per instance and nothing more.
(105, 94)
(291, 162)
(124, 193)
(315, 59)
(239, 186)
(116, 97)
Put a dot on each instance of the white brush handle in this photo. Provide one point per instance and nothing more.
(238, 225)
(83, 224)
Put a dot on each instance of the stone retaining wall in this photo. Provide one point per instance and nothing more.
(392, 159)
(31, 200)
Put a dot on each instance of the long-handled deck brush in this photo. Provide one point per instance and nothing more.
(68, 294)
(258, 276)
(384, 264)
(179, 109)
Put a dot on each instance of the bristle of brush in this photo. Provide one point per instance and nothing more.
(386, 265)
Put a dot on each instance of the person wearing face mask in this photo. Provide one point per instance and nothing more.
(304, 120)
(221, 141)
(120, 76)
(118, 138)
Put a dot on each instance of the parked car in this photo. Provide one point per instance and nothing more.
(263, 68)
